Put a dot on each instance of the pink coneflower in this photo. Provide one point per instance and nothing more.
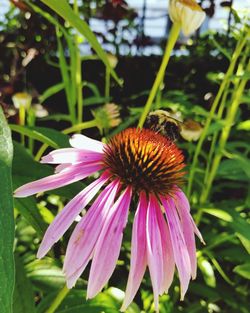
(135, 163)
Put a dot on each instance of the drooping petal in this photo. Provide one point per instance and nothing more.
(191, 20)
(186, 206)
(138, 252)
(154, 249)
(108, 246)
(69, 175)
(179, 245)
(82, 142)
(86, 233)
(71, 155)
(188, 231)
(67, 216)
(168, 256)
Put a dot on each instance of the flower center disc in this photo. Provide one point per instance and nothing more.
(145, 160)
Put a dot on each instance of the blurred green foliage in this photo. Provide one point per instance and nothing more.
(222, 283)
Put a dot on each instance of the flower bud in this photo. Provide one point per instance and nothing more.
(187, 13)
(107, 116)
(22, 99)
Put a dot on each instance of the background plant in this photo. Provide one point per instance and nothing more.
(217, 182)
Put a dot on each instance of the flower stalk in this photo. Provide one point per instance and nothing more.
(78, 74)
(58, 300)
(173, 36)
(241, 44)
(232, 111)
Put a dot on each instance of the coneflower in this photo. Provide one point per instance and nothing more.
(134, 163)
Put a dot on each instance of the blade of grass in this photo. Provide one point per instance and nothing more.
(7, 266)
(65, 11)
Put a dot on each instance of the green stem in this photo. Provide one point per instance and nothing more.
(227, 77)
(215, 135)
(78, 73)
(58, 300)
(107, 83)
(173, 36)
(220, 113)
(22, 114)
(232, 111)
(40, 152)
(31, 119)
(80, 126)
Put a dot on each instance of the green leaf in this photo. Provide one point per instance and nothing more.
(27, 207)
(75, 302)
(56, 117)
(51, 137)
(45, 274)
(64, 10)
(51, 91)
(7, 267)
(23, 293)
(244, 125)
(221, 49)
(65, 73)
(245, 242)
(34, 134)
(60, 139)
(207, 271)
(234, 169)
(36, 171)
(243, 270)
(218, 213)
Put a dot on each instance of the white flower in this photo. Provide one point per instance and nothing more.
(22, 99)
(187, 13)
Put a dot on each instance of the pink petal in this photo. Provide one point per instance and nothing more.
(168, 256)
(154, 249)
(108, 245)
(179, 245)
(138, 252)
(71, 155)
(69, 175)
(61, 167)
(67, 216)
(188, 231)
(82, 142)
(186, 206)
(86, 233)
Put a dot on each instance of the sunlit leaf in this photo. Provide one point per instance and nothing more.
(23, 293)
(64, 10)
(243, 270)
(7, 269)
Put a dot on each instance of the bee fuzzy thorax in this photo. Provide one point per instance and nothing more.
(162, 122)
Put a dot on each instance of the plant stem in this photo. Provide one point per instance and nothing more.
(58, 300)
(22, 114)
(40, 152)
(78, 73)
(224, 135)
(220, 113)
(236, 54)
(80, 126)
(173, 36)
(215, 135)
(107, 83)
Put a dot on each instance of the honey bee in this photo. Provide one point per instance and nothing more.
(164, 123)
